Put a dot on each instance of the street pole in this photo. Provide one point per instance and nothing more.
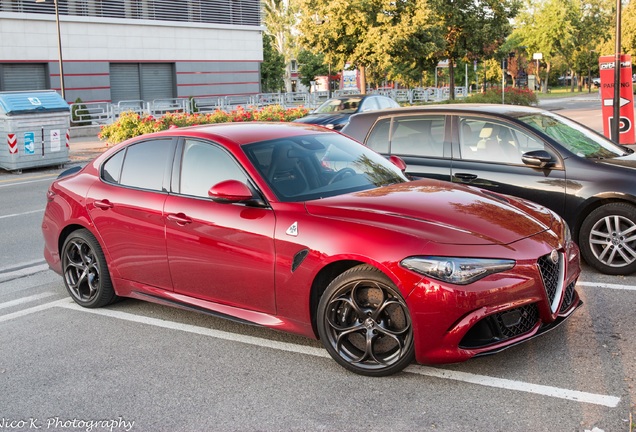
(615, 133)
(59, 46)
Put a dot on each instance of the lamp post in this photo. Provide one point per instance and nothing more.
(615, 132)
(59, 45)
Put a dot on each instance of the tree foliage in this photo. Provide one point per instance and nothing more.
(310, 66)
(473, 29)
(272, 68)
(279, 17)
(397, 38)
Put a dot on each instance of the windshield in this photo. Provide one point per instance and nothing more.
(340, 106)
(320, 165)
(580, 141)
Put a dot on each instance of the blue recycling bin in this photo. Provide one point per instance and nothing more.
(34, 126)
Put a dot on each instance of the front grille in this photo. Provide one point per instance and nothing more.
(568, 297)
(550, 275)
(501, 326)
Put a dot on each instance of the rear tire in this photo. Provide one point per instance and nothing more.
(85, 271)
(608, 239)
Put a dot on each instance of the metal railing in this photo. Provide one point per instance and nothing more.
(100, 113)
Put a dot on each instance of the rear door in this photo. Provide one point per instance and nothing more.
(126, 207)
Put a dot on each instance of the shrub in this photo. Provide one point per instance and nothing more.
(75, 116)
(130, 124)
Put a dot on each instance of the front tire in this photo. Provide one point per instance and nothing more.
(608, 239)
(85, 271)
(364, 323)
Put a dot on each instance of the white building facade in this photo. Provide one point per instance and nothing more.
(119, 50)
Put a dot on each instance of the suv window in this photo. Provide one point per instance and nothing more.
(141, 165)
(378, 139)
(204, 165)
(418, 136)
(369, 103)
(490, 141)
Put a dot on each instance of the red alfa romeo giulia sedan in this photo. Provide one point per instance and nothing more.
(303, 230)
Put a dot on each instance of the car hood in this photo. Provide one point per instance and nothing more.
(321, 119)
(627, 161)
(439, 211)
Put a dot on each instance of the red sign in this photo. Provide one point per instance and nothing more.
(626, 125)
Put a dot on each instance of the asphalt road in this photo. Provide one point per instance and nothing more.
(143, 367)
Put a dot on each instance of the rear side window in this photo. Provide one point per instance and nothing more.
(418, 136)
(140, 165)
(378, 139)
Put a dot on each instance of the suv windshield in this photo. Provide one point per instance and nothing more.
(340, 106)
(580, 141)
(317, 166)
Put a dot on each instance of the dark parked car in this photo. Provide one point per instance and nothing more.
(526, 152)
(334, 113)
(304, 230)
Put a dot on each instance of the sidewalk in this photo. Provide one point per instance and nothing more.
(85, 148)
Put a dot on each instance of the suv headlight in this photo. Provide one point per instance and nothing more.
(460, 271)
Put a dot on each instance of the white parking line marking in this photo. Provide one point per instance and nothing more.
(23, 272)
(217, 334)
(29, 311)
(23, 300)
(606, 285)
(21, 214)
(591, 398)
(22, 265)
(556, 392)
(11, 182)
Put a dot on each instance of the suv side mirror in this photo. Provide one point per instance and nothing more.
(398, 162)
(538, 158)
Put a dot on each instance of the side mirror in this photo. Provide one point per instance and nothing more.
(230, 191)
(398, 162)
(538, 158)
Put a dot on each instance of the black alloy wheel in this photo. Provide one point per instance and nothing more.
(364, 323)
(85, 271)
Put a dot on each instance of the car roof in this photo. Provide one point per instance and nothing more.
(360, 123)
(508, 110)
(241, 133)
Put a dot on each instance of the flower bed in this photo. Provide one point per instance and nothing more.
(130, 124)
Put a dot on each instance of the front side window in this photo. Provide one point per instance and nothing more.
(204, 165)
(492, 141)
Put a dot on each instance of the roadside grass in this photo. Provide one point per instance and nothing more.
(561, 92)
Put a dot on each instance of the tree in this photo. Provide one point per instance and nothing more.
(566, 28)
(473, 29)
(628, 27)
(310, 66)
(272, 68)
(279, 17)
(397, 38)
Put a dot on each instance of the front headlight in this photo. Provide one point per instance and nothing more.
(460, 271)
(567, 234)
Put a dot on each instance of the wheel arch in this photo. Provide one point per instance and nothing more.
(595, 202)
(320, 283)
